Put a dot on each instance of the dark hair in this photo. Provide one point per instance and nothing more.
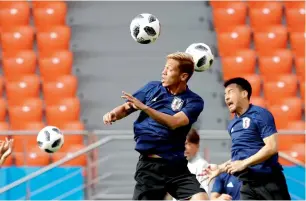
(242, 83)
(193, 136)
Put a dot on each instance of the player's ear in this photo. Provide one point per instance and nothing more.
(244, 94)
(184, 76)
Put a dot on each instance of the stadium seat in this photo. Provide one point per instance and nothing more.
(261, 4)
(54, 39)
(287, 141)
(297, 41)
(283, 86)
(232, 15)
(4, 126)
(78, 161)
(33, 157)
(294, 4)
(1, 85)
(223, 4)
(236, 65)
(231, 42)
(280, 62)
(18, 65)
(274, 37)
(55, 64)
(31, 110)
(259, 101)
(2, 109)
(302, 90)
(17, 38)
(255, 81)
(296, 125)
(17, 14)
(286, 110)
(26, 87)
(50, 14)
(66, 111)
(24, 142)
(295, 18)
(73, 126)
(269, 14)
(43, 4)
(300, 67)
(63, 87)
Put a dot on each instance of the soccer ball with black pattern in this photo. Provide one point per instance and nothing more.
(202, 56)
(145, 28)
(50, 139)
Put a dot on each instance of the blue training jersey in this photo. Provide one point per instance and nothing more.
(248, 132)
(227, 184)
(154, 138)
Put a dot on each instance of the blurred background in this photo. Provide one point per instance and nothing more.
(66, 63)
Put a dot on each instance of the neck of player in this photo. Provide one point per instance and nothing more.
(242, 108)
(177, 89)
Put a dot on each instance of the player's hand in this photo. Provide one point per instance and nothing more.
(6, 148)
(211, 172)
(136, 104)
(235, 166)
(109, 118)
(225, 197)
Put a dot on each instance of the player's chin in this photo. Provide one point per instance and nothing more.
(232, 108)
(165, 84)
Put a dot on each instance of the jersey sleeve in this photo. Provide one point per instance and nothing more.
(193, 109)
(141, 93)
(266, 124)
(218, 185)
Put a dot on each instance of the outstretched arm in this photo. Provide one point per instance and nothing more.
(118, 113)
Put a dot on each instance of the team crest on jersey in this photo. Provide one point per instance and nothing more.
(177, 104)
(246, 121)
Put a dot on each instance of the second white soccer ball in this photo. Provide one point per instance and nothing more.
(145, 28)
(50, 139)
(202, 56)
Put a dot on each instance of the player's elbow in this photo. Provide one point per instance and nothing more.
(271, 145)
(178, 122)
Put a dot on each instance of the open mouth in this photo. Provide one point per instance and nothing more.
(229, 104)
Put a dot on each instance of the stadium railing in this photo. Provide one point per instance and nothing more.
(107, 136)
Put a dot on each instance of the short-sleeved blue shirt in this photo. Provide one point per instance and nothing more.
(247, 133)
(154, 138)
(227, 184)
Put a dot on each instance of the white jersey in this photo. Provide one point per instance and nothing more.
(196, 166)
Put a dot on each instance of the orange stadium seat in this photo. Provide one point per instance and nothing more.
(242, 62)
(4, 126)
(259, 101)
(295, 19)
(51, 14)
(280, 62)
(260, 4)
(66, 111)
(31, 110)
(55, 64)
(43, 4)
(2, 109)
(32, 157)
(294, 4)
(1, 85)
(78, 161)
(300, 67)
(283, 86)
(255, 81)
(54, 39)
(231, 42)
(223, 4)
(302, 90)
(17, 38)
(63, 87)
(272, 39)
(24, 142)
(18, 65)
(269, 14)
(73, 126)
(26, 87)
(296, 125)
(297, 41)
(232, 15)
(16, 14)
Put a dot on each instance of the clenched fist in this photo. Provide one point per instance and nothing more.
(109, 118)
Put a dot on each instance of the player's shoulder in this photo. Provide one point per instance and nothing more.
(194, 96)
(261, 112)
(153, 83)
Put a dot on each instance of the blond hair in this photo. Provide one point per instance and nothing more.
(185, 60)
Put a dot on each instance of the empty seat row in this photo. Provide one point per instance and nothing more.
(231, 14)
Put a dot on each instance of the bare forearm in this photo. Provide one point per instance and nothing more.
(161, 118)
(215, 196)
(122, 111)
(262, 155)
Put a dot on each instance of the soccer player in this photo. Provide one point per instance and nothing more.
(167, 111)
(225, 187)
(6, 148)
(254, 152)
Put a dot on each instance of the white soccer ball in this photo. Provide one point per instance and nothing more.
(145, 28)
(202, 56)
(50, 139)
